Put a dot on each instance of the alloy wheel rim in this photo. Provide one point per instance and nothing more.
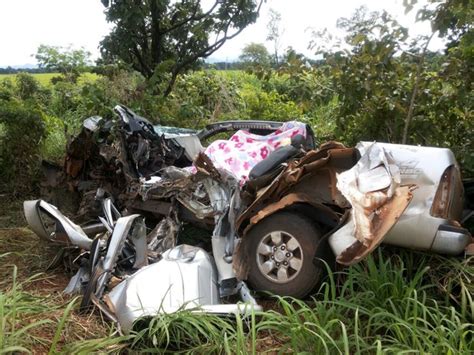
(279, 257)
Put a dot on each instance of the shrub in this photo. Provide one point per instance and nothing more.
(26, 86)
(258, 104)
(22, 133)
(6, 89)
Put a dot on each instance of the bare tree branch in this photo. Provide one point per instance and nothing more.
(415, 90)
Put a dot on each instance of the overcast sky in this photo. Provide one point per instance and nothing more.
(25, 24)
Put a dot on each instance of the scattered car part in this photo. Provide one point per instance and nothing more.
(117, 241)
(185, 278)
(373, 189)
(65, 231)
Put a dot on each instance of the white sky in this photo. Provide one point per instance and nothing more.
(25, 24)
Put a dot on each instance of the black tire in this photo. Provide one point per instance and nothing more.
(307, 235)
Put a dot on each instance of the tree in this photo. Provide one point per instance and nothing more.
(69, 62)
(453, 19)
(393, 89)
(275, 32)
(370, 75)
(163, 38)
(255, 55)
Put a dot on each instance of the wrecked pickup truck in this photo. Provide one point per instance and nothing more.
(277, 205)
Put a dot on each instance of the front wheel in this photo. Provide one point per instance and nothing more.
(281, 251)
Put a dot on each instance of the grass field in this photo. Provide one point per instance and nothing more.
(45, 78)
(397, 301)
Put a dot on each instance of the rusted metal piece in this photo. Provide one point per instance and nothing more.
(300, 177)
(446, 202)
(469, 251)
(310, 179)
(285, 202)
(205, 166)
(78, 151)
(379, 221)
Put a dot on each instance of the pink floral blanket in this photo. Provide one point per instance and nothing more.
(244, 150)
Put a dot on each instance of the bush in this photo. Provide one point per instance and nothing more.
(268, 106)
(21, 135)
(6, 89)
(26, 86)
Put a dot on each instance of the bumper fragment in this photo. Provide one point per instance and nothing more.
(451, 240)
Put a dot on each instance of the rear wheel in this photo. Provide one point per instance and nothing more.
(281, 251)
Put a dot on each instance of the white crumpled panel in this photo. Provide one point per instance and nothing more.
(185, 278)
(367, 186)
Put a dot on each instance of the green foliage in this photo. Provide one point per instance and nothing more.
(45, 78)
(69, 62)
(27, 86)
(162, 39)
(322, 118)
(259, 104)
(6, 89)
(390, 90)
(54, 144)
(371, 82)
(26, 321)
(452, 18)
(21, 133)
(200, 98)
(15, 305)
(255, 57)
(183, 331)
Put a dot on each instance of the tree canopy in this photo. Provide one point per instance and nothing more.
(255, 54)
(68, 61)
(162, 38)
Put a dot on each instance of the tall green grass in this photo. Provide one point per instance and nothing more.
(387, 304)
(32, 323)
(16, 306)
(396, 301)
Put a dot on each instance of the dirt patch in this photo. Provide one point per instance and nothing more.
(24, 260)
(22, 248)
(11, 212)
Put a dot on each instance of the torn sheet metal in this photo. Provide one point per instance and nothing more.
(201, 191)
(77, 282)
(348, 249)
(184, 279)
(163, 236)
(65, 231)
(367, 186)
(315, 168)
(373, 189)
(117, 241)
